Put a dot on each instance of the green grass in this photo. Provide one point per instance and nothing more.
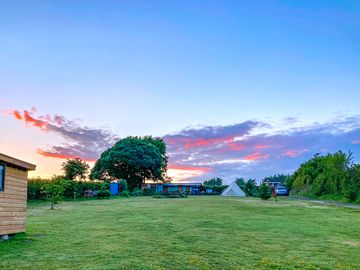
(194, 233)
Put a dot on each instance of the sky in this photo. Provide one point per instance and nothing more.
(236, 88)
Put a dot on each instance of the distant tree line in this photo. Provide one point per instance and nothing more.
(281, 178)
(327, 176)
(216, 184)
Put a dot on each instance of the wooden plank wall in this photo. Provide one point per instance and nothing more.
(13, 202)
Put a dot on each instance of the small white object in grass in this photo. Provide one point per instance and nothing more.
(4, 237)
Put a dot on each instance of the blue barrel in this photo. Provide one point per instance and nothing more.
(114, 188)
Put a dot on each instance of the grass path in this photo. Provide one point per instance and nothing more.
(327, 202)
(194, 233)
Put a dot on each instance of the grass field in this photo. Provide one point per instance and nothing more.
(194, 233)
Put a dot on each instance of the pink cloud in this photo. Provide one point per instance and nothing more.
(17, 115)
(188, 168)
(257, 155)
(204, 142)
(60, 156)
(261, 146)
(35, 122)
(294, 152)
(235, 146)
(84, 142)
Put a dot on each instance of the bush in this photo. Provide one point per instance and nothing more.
(351, 187)
(327, 176)
(216, 190)
(137, 192)
(103, 194)
(176, 194)
(264, 191)
(124, 193)
(149, 192)
(122, 185)
(35, 188)
(73, 189)
(54, 191)
(248, 186)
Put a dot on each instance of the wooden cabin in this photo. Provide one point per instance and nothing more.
(13, 194)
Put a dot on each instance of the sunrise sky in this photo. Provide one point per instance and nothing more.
(236, 88)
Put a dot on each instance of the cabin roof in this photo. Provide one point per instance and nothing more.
(17, 162)
(174, 184)
(182, 184)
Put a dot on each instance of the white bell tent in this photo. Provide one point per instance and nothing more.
(233, 190)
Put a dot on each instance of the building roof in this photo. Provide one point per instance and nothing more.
(182, 184)
(17, 162)
(174, 184)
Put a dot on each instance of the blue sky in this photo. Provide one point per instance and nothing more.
(159, 67)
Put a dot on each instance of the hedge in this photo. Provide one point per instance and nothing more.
(73, 189)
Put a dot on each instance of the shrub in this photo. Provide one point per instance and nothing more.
(216, 190)
(149, 192)
(248, 186)
(176, 194)
(124, 193)
(351, 187)
(264, 191)
(103, 194)
(72, 189)
(54, 191)
(35, 188)
(122, 184)
(137, 192)
(219, 189)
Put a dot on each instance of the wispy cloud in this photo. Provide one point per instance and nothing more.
(84, 142)
(240, 150)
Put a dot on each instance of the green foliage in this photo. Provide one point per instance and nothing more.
(103, 194)
(215, 189)
(265, 191)
(72, 189)
(351, 188)
(75, 168)
(241, 182)
(289, 181)
(213, 182)
(219, 189)
(149, 191)
(135, 159)
(35, 187)
(326, 175)
(124, 193)
(171, 195)
(122, 185)
(54, 191)
(248, 186)
(136, 192)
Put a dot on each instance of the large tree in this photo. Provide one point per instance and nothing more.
(134, 159)
(75, 168)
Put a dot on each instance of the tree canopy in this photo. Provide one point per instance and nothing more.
(327, 175)
(213, 182)
(134, 159)
(74, 168)
(248, 186)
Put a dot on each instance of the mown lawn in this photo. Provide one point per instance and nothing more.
(194, 233)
